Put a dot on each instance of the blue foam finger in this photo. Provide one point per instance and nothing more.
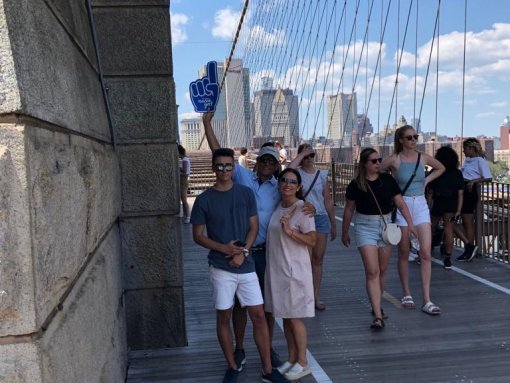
(204, 92)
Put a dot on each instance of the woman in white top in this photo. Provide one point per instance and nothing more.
(319, 195)
(184, 171)
(474, 170)
(403, 165)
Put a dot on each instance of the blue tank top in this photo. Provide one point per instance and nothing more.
(404, 172)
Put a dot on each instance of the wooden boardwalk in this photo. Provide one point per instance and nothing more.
(468, 342)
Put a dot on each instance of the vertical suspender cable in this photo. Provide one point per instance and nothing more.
(437, 78)
(463, 77)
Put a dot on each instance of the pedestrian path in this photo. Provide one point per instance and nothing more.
(468, 342)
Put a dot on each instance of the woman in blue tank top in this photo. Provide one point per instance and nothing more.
(402, 164)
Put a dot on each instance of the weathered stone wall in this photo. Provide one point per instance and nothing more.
(64, 253)
(137, 64)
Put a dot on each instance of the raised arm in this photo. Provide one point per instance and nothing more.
(209, 133)
(296, 161)
(435, 164)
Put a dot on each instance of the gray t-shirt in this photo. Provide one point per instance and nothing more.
(226, 215)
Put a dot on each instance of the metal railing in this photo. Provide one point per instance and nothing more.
(492, 228)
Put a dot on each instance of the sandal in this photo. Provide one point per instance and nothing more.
(384, 316)
(320, 306)
(431, 309)
(377, 324)
(408, 302)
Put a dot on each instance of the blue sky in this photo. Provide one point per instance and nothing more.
(203, 31)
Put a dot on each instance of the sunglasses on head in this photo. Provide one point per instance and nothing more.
(311, 155)
(411, 137)
(375, 160)
(290, 181)
(223, 167)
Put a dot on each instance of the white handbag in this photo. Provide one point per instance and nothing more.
(391, 233)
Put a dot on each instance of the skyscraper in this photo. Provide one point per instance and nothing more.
(192, 131)
(342, 117)
(231, 122)
(276, 115)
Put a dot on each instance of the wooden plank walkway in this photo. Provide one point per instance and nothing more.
(468, 342)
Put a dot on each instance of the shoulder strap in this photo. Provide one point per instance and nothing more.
(412, 176)
(313, 183)
(377, 203)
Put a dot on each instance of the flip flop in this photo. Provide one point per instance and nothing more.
(377, 324)
(408, 302)
(431, 309)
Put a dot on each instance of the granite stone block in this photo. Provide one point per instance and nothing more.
(152, 250)
(149, 179)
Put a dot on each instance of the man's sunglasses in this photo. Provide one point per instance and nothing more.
(375, 160)
(288, 181)
(311, 155)
(267, 161)
(411, 137)
(223, 167)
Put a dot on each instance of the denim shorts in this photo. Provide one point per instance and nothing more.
(368, 230)
(418, 208)
(322, 224)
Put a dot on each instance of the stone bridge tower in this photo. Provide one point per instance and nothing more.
(90, 250)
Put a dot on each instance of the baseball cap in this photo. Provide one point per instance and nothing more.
(271, 151)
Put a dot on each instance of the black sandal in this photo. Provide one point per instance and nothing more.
(377, 324)
(382, 312)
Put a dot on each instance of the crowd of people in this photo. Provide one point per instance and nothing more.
(267, 232)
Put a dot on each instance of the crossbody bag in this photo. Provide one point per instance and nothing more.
(391, 233)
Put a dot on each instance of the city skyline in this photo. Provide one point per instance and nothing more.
(205, 34)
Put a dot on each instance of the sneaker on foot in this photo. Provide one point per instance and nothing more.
(284, 367)
(462, 258)
(275, 359)
(297, 371)
(240, 358)
(230, 376)
(274, 377)
(472, 252)
(187, 219)
(447, 263)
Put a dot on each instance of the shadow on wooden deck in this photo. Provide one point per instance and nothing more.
(468, 342)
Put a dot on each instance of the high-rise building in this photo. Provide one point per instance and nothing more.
(192, 132)
(342, 117)
(231, 122)
(276, 115)
(505, 133)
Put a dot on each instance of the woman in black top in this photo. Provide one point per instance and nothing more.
(368, 223)
(447, 195)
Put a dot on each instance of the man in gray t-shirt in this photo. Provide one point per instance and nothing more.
(229, 213)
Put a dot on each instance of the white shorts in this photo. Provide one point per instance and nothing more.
(418, 208)
(227, 285)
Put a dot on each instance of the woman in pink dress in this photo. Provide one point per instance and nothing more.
(288, 280)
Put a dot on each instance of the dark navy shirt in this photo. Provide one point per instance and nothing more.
(226, 215)
(385, 188)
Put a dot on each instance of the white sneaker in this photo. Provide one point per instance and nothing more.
(297, 371)
(186, 220)
(284, 367)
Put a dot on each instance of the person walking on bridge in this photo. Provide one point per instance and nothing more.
(407, 165)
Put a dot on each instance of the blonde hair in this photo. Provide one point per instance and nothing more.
(399, 134)
(361, 172)
(474, 143)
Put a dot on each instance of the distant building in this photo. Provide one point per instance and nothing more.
(505, 133)
(276, 114)
(192, 132)
(342, 117)
(502, 155)
(231, 122)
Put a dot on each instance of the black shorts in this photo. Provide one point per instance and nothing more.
(470, 201)
(442, 205)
